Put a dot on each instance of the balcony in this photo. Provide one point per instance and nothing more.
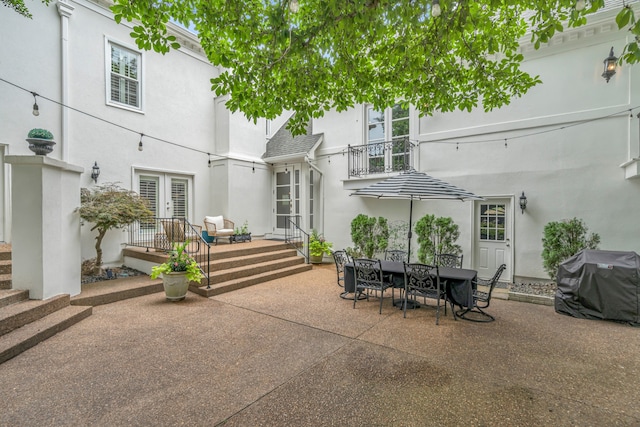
(380, 157)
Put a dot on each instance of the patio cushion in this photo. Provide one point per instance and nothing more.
(218, 221)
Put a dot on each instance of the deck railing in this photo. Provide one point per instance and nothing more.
(161, 234)
(380, 157)
(297, 237)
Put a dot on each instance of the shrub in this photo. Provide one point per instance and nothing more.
(40, 133)
(369, 234)
(564, 239)
(436, 236)
(109, 206)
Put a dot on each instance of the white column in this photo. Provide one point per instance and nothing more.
(46, 254)
(64, 10)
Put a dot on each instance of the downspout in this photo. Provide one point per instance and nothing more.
(321, 189)
(65, 10)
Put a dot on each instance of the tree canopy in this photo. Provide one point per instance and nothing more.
(310, 56)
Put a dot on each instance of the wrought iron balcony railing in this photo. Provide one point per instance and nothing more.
(381, 157)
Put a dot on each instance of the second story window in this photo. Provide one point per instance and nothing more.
(387, 146)
(123, 77)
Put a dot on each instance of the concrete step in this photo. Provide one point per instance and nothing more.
(218, 288)
(116, 290)
(5, 281)
(251, 259)
(15, 316)
(12, 296)
(5, 252)
(27, 336)
(5, 266)
(254, 269)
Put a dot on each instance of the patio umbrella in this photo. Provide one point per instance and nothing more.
(414, 185)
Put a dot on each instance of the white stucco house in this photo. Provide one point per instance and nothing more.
(572, 144)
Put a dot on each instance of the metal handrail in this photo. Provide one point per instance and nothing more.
(380, 157)
(161, 233)
(297, 237)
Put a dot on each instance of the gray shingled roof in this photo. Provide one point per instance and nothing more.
(283, 144)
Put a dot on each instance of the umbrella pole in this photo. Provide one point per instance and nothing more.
(409, 234)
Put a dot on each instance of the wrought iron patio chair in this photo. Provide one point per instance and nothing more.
(340, 258)
(482, 298)
(422, 280)
(395, 255)
(449, 260)
(369, 277)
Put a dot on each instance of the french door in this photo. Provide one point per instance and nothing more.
(286, 193)
(168, 195)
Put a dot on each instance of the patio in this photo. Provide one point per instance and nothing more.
(290, 352)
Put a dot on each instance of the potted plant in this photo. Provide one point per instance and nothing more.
(40, 141)
(177, 272)
(318, 246)
(242, 234)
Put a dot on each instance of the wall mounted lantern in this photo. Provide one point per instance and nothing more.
(523, 202)
(609, 66)
(95, 172)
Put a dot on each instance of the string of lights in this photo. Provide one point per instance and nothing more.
(36, 112)
(453, 141)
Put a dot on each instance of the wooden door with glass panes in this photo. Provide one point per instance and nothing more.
(493, 237)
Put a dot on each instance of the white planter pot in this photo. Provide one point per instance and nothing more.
(176, 285)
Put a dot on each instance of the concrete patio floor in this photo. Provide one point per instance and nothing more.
(292, 353)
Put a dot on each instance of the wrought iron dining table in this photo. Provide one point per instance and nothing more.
(459, 281)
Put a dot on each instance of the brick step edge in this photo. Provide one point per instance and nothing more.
(21, 339)
(232, 285)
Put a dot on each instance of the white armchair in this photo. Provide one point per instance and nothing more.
(218, 226)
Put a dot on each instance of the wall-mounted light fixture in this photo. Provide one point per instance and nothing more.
(580, 4)
(523, 202)
(36, 110)
(140, 148)
(294, 6)
(95, 172)
(609, 65)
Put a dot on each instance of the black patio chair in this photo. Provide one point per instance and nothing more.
(395, 255)
(369, 277)
(449, 260)
(340, 258)
(482, 299)
(422, 280)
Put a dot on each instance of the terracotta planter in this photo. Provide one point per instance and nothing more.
(176, 285)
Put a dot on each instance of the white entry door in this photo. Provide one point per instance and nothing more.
(493, 237)
(286, 197)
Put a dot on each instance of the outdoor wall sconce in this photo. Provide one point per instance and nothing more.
(95, 172)
(609, 66)
(523, 202)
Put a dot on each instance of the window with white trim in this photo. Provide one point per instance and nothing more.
(124, 82)
(387, 139)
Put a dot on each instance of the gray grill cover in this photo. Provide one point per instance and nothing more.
(600, 285)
